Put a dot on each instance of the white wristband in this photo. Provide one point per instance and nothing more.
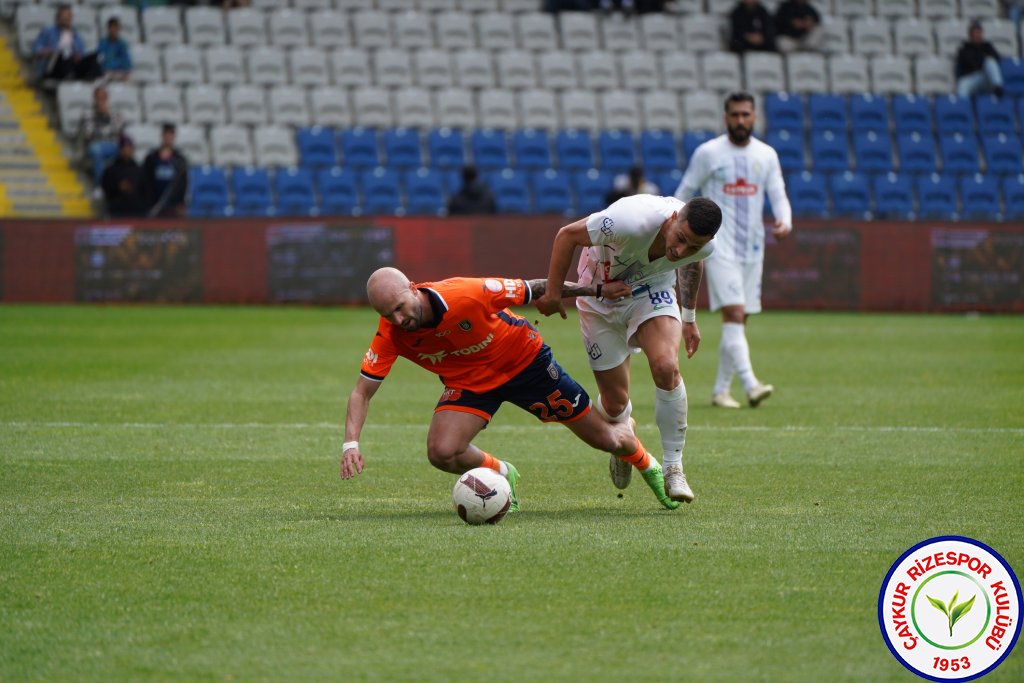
(689, 315)
(349, 445)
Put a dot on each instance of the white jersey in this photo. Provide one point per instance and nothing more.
(736, 178)
(622, 236)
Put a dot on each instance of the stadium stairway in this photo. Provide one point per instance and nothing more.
(36, 179)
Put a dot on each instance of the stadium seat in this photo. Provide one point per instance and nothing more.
(498, 109)
(130, 29)
(694, 139)
(223, 65)
(372, 30)
(551, 192)
(668, 182)
(246, 27)
(848, 73)
(829, 151)
(619, 34)
(162, 26)
(1013, 77)
(510, 191)
(790, 148)
(807, 194)
(265, 65)
(495, 31)
(678, 71)
(161, 103)
(916, 152)
(933, 75)
(836, 40)
(869, 112)
(995, 115)
(954, 115)
(73, 100)
(516, 70)
(536, 31)
(620, 110)
(851, 195)
(764, 71)
(393, 69)
(592, 185)
(424, 192)
(146, 65)
(911, 113)
(950, 33)
(959, 153)
(288, 107)
(532, 149)
(638, 70)
(894, 196)
(289, 27)
(872, 151)
(403, 148)
(191, 140)
(432, 69)
(251, 187)
(937, 196)
(204, 104)
(231, 146)
(359, 148)
(182, 65)
(447, 148)
(316, 147)
(454, 31)
(660, 111)
(307, 66)
(538, 109)
(209, 190)
(556, 70)
(658, 35)
(702, 110)
(380, 191)
(338, 191)
(937, 9)
(351, 67)
(596, 70)
(979, 8)
(721, 70)
(330, 107)
(412, 30)
(371, 108)
(1013, 195)
(658, 151)
(784, 112)
(890, 74)
(575, 150)
(579, 110)
(454, 108)
(699, 33)
(913, 36)
(246, 105)
(124, 99)
(806, 72)
(617, 150)
(329, 28)
(980, 196)
(1003, 36)
(578, 30)
(294, 190)
(490, 149)
(275, 146)
(871, 36)
(827, 112)
(1002, 153)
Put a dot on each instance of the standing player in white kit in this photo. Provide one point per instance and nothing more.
(735, 170)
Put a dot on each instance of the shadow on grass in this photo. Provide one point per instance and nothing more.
(435, 516)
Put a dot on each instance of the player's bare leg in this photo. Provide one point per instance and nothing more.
(736, 351)
(450, 448)
(613, 404)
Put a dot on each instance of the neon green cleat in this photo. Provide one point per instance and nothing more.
(656, 481)
(513, 481)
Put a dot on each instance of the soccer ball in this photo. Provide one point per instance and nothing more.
(482, 496)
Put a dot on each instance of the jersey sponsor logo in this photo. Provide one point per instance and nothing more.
(371, 357)
(594, 351)
(492, 285)
(607, 225)
(450, 394)
(434, 358)
(553, 371)
(741, 188)
(465, 325)
(437, 357)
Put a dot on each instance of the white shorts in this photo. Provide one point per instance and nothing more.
(732, 283)
(608, 328)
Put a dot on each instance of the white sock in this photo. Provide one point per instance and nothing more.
(670, 414)
(734, 340)
(502, 468)
(621, 417)
(723, 380)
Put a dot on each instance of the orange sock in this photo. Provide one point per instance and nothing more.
(491, 463)
(639, 458)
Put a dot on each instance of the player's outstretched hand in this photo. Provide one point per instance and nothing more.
(548, 305)
(691, 338)
(780, 230)
(615, 290)
(351, 463)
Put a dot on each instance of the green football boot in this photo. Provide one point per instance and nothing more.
(656, 481)
(513, 481)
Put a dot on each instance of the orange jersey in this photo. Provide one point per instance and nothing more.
(476, 343)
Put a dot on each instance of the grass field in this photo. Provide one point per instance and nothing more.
(170, 507)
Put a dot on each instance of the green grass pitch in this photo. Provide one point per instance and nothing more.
(170, 507)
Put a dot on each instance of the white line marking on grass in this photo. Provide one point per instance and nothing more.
(878, 429)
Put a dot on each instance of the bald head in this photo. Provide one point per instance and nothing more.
(395, 298)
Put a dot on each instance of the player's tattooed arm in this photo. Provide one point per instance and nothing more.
(688, 282)
(569, 289)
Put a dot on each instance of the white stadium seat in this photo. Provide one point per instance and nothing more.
(246, 27)
(619, 34)
(979, 9)
(412, 31)
(231, 146)
(191, 140)
(659, 34)
(536, 31)
(433, 68)
(848, 74)
(454, 108)
(351, 67)
(638, 70)
(516, 70)
(764, 72)
(183, 64)
(307, 66)
(454, 31)
(147, 64)
(579, 110)
(146, 137)
(660, 111)
(949, 35)
(473, 69)
(275, 146)
(288, 27)
(495, 31)
(837, 35)
(372, 108)
(247, 105)
(871, 36)
(84, 23)
(266, 66)
(895, 9)
(330, 107)
(129, 18)
(161, 103)
(556, 70)
(578, 31)
(223, 65)
(938, 9)
(852, 9)
(700, 33)
(702, 110)
(371, 29)
(805, 72)
(329, 28)
(288, 106)
(392, 69)
(933, 75)
(538, 109)
(73, 100)
(1003, 35)
(413, 108)
(204, 105)
(679, 71)
(29, 20)
(596, 70)
(720, 71)
(914, 37)
(124, 99)
(890, 74)
(619, 110)
(162, 26)
(497, 109)
(204, 26)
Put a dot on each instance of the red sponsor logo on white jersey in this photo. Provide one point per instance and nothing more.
(741, 188)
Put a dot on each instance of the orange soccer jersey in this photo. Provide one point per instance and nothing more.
(476, 342)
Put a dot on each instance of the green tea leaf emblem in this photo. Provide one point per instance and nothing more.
(953, 612)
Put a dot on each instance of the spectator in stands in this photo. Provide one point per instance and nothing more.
(59, 51)
(752, 27)
(165, 177)
(98, 132)
(798, 27)
(473, 198)
(112, 54)
(977, 65)
(122, 183)
(629, 184)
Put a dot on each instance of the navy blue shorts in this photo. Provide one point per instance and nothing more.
(542, 388)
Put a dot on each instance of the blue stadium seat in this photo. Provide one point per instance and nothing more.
(1013, 77)
(784, 112)
(251, 187)
(403, 148)
(851, 195)
(980, 196)
(959, 153)
(1002, 153)
(316, 147)
(936, 196)
(894, 196)
(668, 182)
(551, 192)
(692, 139)
(451, 180)
(829, 151)
(873, 151)
(995, 115)
(912, 113)
(790, 148)
(618, 153)
(294, 190)
(339, 195)
(490, 149)
(510, 191)
(359, 148)
(827, 112)
(659, 151)
(209, 191)
(916, 152)
(1013, 195)
(380, 191)
(869, 112)
(424, 192)
(954, 115)
(532, 149)
(447, 148)
(807, 194)
(575, 150)
(591, 187)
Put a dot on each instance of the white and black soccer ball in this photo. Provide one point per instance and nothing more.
(482, 496)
